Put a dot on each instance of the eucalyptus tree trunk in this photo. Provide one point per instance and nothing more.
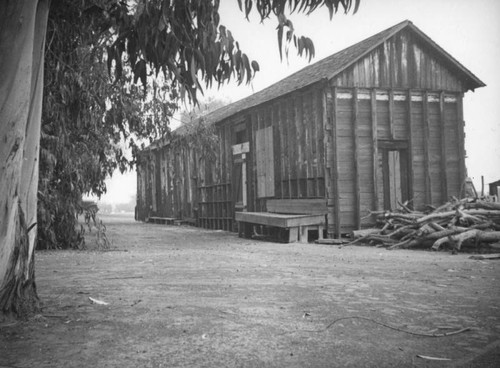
(22, 40)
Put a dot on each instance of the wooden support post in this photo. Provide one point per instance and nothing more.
(327, 159)
(387, 184)
(293, 234)
(245, 230)
(320, 232)
(336, 213)
(411, 178)
(427, 173)
(307, 127)
(244, 180)
(278, 155)
(461, 138)
(357, 189)
(303, 234)
(292, 145)
(444, 176)
(375, 163)
(391, 115)
(252, 181)
(298, 139)
(316, 138)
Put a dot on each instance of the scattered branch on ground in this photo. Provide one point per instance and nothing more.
(425, 334)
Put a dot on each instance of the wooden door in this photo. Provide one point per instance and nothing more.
(239, 179)
(394, 175)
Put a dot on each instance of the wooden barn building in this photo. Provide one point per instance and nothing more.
(374, 124)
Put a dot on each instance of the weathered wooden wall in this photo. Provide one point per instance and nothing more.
(286, 160)
(389, 127)
(403, 61)
(294, 125)
(425, 127)
(166, 182)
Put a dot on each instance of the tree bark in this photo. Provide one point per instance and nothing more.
(22, 35)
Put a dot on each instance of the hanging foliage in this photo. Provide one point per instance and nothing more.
(88, 123)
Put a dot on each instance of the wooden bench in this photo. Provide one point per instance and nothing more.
(295, 217)
(161, 220)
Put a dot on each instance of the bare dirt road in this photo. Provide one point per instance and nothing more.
(185, 297)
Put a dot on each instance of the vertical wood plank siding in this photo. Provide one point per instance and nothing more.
(337, 222)
(427, 154)
(331, 140)
(400, 62)
(374, 158)
(411, 144)
(356, 150)
(443, 144)
(461, 138)
(330, 175)
(346, 158)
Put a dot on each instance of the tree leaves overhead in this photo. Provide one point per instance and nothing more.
(184, 40)
(285, 30)
(181, 39)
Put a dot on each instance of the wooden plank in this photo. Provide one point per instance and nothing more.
(355, 125)
(298, 137)
(375, 163)
(223, 140)
(461, 138)
(306, 143)
(411, 177)
(282, 127)
(392, 133)
(293, 235)
(286, 149)
(444, 175)
(265, 162)
(427, 163)
(269, 164)
(336, 192)
(384, 160)
(292, 145)
(260, 159)
(278, 150)
(252, 180)
(279, 220)
(297, 206)
(318, 164)
(327, 155)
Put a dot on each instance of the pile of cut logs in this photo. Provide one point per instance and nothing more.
(454, 224)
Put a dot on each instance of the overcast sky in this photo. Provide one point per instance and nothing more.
(468, 30)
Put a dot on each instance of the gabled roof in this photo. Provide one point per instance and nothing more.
(331, 66)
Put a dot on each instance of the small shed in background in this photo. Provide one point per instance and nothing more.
(494, 191)
(378, 123)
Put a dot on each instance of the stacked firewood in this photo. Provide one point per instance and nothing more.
(458, 222)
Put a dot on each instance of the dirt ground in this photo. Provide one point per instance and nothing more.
(186, 297)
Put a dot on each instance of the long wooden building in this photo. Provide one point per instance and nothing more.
(374, 124)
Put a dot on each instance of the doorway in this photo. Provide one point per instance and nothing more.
(393, 173)
(241, 148)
